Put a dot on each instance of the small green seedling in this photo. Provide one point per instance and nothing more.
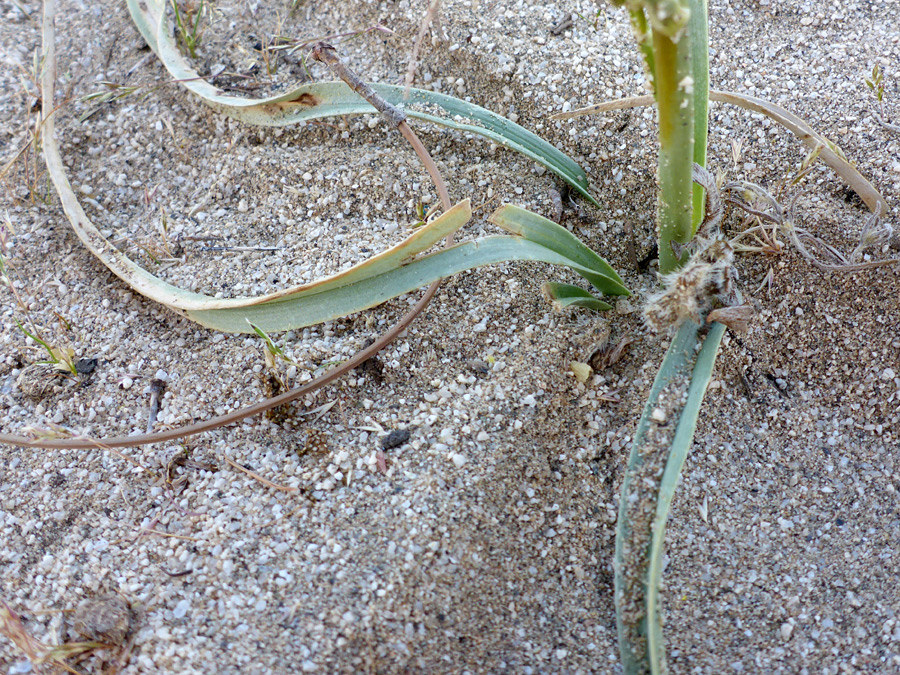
(113, 92)
(61, 358)
(876, 84)
(189, 26)
(273, 351)
(423, 216)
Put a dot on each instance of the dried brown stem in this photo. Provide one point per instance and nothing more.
(256, 476)
(325, 53)
(414, 57)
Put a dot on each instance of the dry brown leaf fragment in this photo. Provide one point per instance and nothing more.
(316, 443)
(737, 318)
(608, 355)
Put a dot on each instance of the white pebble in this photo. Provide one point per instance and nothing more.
(658, 415)
(888, 374)
(126, 383)
(458, 459)
(242, 206)
(787, 629)
(181, 609)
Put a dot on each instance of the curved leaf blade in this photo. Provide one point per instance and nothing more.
(329, 99)
(306, 309)
(544, 231)
(567, 295)
(648, 488)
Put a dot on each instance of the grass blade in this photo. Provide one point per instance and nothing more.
(681, 444)
(365, 285)
(329, 99)
(308, 307)
(530, 225)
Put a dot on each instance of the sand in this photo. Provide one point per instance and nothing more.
(483, 543)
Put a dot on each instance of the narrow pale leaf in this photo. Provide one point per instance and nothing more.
(805, 133)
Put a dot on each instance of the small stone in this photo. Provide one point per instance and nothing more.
(242, 206)
(888, 374)
(85, 366)
(787, 629)
(658, 415)
(395, 438)
(105, 619)
(458, 460)
(181, 609)
(126, 383)
(582, 371)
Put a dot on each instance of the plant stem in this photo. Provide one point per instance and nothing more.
(675, 102)
(698, 28)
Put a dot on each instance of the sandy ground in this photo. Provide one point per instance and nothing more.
(482, 544)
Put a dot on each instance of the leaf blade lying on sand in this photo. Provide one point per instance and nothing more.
(328, 99)
(365, 285)
(530, 225)
(651, 476)
(304, 309)
(567, 295)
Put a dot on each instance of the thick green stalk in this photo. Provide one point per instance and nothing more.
(698, 28)
(674, 91)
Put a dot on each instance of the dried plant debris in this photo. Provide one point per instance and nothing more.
(737, 318)
(37, 651)
(690, 292)
(313, 442)
(772, 219)
(39, 381)
(709, 275)
(108, 619)
(605, 354)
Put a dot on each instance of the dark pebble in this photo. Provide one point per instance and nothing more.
(85, 366)
(394, 439)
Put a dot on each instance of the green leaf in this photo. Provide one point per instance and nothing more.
(315, 305)
(566, 295)
(647, 491)
(389, 274)
(329, 99)
(681, 444)
(520, 221)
